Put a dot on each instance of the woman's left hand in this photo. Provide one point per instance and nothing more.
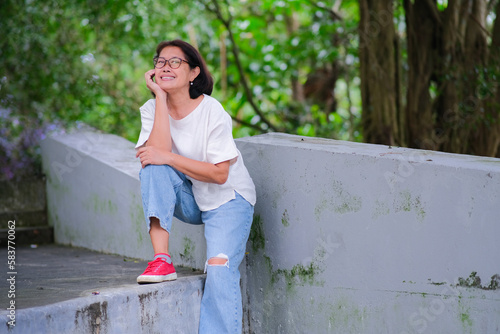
(150, 155)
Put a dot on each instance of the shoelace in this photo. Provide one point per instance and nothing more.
(154, 265)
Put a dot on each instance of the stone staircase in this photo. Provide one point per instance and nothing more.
(23, 210)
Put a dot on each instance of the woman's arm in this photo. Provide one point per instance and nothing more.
(160, 133)
(198, 170)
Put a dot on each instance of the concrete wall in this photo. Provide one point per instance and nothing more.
(347, 237)
(94, 199)
(357, 238)
(138, 309)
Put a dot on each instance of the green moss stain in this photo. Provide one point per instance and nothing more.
(136, 214)
(406, 202)
(320, 207)
(381, 209)
(474, 281)
(338, 200)
(437, 283)
(256, 237)
(346, 315)
(68, 234)
(466, 320)
(285, 219)
(100, 205)
(348, 202)
(298, 275)
(464, 316)
(55, 183)
(188, 251)
(269, 264)
(349, 207)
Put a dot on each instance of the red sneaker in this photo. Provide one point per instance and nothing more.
(158, 270)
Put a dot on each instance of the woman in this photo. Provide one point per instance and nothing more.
(191, 169)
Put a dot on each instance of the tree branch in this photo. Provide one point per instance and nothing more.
(248, 124)
(332, 12)
(434, 11)
(248, 93)
(480, 25)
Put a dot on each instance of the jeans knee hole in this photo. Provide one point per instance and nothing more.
(220, 260)
(217, 261)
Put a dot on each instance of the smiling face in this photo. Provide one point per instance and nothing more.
(170, 79)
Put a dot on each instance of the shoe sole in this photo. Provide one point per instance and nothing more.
(156, 278)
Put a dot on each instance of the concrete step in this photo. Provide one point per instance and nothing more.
(23, 236)
(23, 201)
(24, 218)
(58, 289)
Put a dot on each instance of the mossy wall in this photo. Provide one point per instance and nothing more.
(358, 238)
(347, 237)
(94, 199)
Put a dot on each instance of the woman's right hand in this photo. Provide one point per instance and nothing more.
(152, 86)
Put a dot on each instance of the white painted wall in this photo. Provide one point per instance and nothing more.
(347, 237)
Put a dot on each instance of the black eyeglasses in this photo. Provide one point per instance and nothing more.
(174, 62)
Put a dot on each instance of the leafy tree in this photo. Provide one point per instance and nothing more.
(83, 61)
(287, 59)
(424, 72)
(447, 56)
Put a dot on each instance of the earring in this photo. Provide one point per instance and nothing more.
(191, 83)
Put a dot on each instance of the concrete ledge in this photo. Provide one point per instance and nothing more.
(94, 199)
(347, 237)
(141, 309)
(73, 290)
(359, 238)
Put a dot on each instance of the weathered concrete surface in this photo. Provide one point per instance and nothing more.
(347, 237)
(72, 290)
(357, 238)
(94, 199)
(23, 201)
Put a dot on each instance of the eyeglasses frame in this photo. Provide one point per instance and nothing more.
(167, 61)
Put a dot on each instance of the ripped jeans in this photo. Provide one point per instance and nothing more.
(167, 192)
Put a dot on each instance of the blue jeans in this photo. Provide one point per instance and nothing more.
(166, 193)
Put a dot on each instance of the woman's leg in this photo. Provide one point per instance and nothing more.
(226, 231)
(159, 236)
(165, 193)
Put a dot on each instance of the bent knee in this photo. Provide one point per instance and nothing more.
(220, 259)
(217, 261)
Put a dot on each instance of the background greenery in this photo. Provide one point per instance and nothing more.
(290, 66)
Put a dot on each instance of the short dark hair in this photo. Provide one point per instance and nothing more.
(203, 83)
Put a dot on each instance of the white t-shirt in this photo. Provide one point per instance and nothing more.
(205, 135)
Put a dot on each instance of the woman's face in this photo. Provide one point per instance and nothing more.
(171, 79)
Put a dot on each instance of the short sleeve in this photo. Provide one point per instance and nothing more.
(221, 146)
(147, 120)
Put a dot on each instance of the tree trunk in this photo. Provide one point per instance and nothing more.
(448, 77)
(421, 24)
(448, 55)
(486, 138)
(377, 68)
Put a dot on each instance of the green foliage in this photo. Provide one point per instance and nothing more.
(83, 61)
